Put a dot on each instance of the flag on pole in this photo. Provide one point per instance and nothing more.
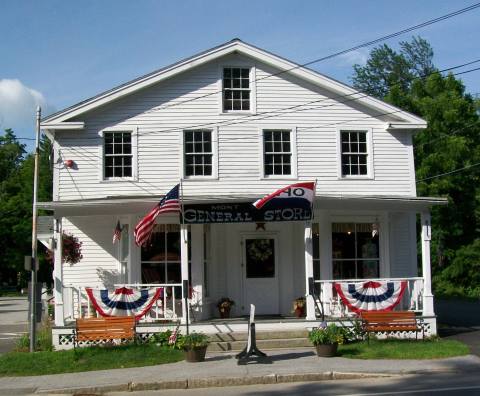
(170, 203)
(117, 233)
(299, 191)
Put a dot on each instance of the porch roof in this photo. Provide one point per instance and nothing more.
(140, 204)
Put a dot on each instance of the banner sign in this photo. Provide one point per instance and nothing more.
(123, 301)
(275, 210)
(371, 295)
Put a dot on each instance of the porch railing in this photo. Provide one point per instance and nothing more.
(168, 307)
(334, 307)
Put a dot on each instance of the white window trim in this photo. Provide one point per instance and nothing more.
(293, 146)
(214, 175)
(253, 88)
(370, 171)
(101, 154)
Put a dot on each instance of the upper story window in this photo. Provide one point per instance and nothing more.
(354, 153)
(236, 89)
(198, 152)
(118, 156)
(277, 152)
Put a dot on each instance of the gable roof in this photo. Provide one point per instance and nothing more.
(59, 119)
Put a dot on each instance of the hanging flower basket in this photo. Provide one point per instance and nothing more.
(71, 249)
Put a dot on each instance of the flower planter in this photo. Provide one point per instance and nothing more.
(224, 313)
(196, 354)
(300, 312)
(326, 350)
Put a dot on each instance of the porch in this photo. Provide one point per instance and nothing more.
(270, 264)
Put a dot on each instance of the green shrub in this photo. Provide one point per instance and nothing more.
(43, 342)
(331, 334)
(193, 340)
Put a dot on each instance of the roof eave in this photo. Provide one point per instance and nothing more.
(304, 73)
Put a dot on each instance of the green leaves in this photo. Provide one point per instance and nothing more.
(16, 197)
(407, 79)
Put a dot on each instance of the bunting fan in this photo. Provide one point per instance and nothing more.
(123, 301)
(371, 295)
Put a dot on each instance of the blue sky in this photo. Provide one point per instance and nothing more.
(57, 53)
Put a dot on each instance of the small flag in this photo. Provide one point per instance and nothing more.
(117, 233)
(170, 203)
(303, 191)
(173, 337)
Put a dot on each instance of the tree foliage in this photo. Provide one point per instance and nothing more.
(16, 200)
(408, 79)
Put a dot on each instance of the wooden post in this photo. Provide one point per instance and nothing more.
(58, 274)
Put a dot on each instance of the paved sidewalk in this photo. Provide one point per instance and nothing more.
(222, 370)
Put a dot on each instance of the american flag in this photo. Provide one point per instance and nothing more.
(170, 203)
(173, 337)
(117, 233)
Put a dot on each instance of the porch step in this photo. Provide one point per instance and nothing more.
(236, 341)
(260, 335)
(261, 344)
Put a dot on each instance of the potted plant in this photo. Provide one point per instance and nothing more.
(224, 306)
(194, 346)
(299, 307)
(326, 339)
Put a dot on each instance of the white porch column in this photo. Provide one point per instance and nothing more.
(184, 264)
(426, 267)
(58, 273)
(197, 270)
(309, 270)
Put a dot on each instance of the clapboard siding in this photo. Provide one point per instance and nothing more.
(99, 265)
(159, 121)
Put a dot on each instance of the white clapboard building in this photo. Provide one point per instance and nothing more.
(235, 123)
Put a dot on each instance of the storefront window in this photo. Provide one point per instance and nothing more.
(355, 250)
(161, 256)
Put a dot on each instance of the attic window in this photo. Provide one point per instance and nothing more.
(236, 89)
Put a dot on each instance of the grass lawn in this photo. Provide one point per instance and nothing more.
(403, 349)
(86, 359)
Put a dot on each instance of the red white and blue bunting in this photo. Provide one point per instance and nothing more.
(371, 295)
(123, 301)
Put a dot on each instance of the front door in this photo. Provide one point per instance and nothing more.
(260, 274)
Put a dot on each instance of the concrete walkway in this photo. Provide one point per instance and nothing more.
(222, 370)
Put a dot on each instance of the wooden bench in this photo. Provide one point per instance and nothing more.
(383, 321)
(105, 329)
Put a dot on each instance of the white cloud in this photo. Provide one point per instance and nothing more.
(18, 104)
(359, 56)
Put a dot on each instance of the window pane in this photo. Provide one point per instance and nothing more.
(155, 248)
(343, 242)
(237, 105)
(117, 171)
(245, 73)
(227, 73)
(268, 169)
(344, 269)
(174, 274)
(173, 246)
(236, 73)
(268, 147)
(235, 84)
(260, 258)
(153, 273)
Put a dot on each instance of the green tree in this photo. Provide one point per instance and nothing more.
(16, 198)
(408, 80)
(387, 68)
